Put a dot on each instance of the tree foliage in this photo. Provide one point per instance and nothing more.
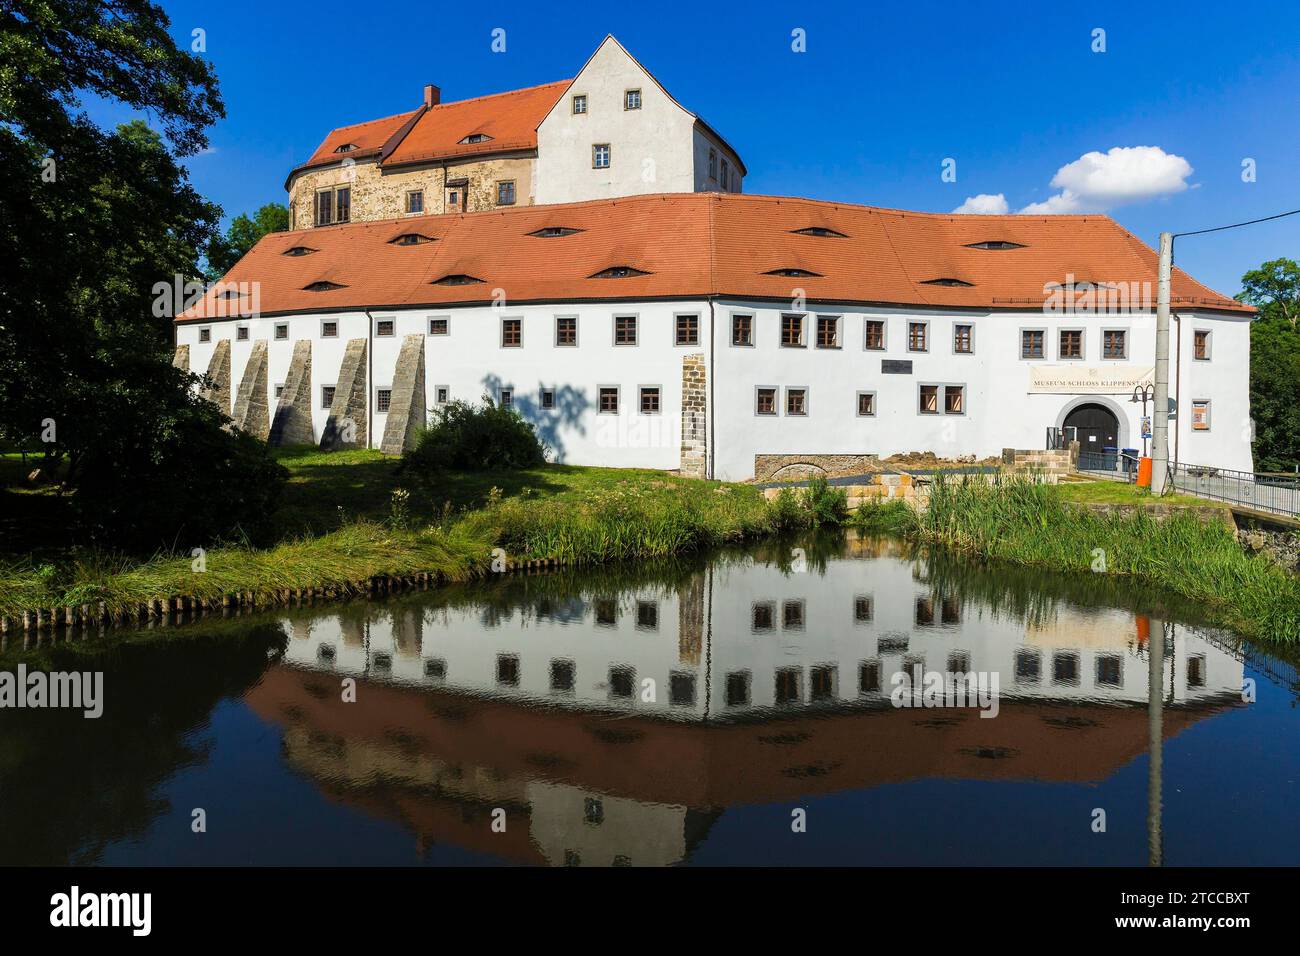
(1275, 363)
(90, 221)
(225, 251)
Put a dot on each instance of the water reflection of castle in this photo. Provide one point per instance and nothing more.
(776, 685)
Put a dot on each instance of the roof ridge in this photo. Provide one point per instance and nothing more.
(492, 96)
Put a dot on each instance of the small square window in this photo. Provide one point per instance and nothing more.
(579, 104)
(954, 400)
(649, 400)
(415, 201)
(506, 397)
(562, 676)
(929, 400)
(963, 339)
(506, 192)
(327, 396)
(632, 100)
(1201, 345)
(918, 336)
(1070, 344)
(1065, 668)
(548, 398)
(864, 608)
(681, 690)
(647, 615)
(765, 401)
(608, 402)
(512, 333)
(796, 401)
(1114, 344)
(738, 694)
(439, 326)
(1031, 343)
(566, 330)
(508, 670)
(205, 335)
(1110, 670)
(688, 330)
(441, 395)
(329, 329)
(1029, 667)
(742, 330)
(600, 156)
(763, 616)
(241, 333)
(606, 612)
(622, 681)
(1201, 416)
(279, 390)
(792, 331)
(282, 331)
(875, 335)
(435, 668)
(383, 399)
(384, 328)
(828, 331)
(866, 404)
(625, 330)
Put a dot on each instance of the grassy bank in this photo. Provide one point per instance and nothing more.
(348, 517)
(1028, 524)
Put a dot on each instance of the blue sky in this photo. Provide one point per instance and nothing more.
(882, 96)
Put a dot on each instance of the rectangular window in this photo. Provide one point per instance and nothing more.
(863, 609)
(792, 331)
(506, 192)
(205, 335)
(929, 400)
(506, 397)
(792, 615)
(1070, 344)
(866, 403)
(548, 398)
(439, 326)
(324, 208)
(384, 328)
(625, 330)
(918, 336)
(722, 178)
(241, 333)
(608, 404)
(828, 331)
(963, 339)
(415, 200)
(1031, 343)
(600, 156)
(875, 335)
(329, 329)
(1114, 344)
(954, 400)
(441, 394)
(326, 396)
(566, 330)
(713, 164)
(279, 390)
(1201, 416)
(796, 401)
(1201, 345)
(343, 204)
(632, 100)
(282, 331)
(579, 104)
(512, 333)
(742, 330)
(762, 616)
(649, 400)
(765, 401)
(383, 398)
(688, 330)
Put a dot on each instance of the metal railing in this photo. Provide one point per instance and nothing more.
(1058, 439)
(1277, 494)
(1114, 465)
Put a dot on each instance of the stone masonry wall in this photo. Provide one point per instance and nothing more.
(251, 412)
(219, 372)
(348, 410)
(695, 410)
(406, 408)
(181, 359)
(292, 425)
(798, 467)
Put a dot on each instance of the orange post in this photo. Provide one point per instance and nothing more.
(1144, 472)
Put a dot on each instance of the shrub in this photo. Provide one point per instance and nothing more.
(825, 504)
(787, 513)
(465, 437)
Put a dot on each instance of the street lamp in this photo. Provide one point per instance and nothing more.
(1143, 394)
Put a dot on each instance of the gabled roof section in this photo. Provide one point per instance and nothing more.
(692, 245)
(368, 138)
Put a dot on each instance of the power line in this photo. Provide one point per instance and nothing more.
(1235, 225)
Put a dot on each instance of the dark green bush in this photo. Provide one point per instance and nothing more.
(827, 505)
(465, 437)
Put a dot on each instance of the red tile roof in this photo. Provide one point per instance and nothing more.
(699, 244)
(367, 137)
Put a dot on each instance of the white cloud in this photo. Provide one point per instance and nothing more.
(1124, 174)
(987, 204)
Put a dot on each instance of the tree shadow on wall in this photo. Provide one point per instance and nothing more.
(571, 404)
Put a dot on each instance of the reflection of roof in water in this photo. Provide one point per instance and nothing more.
(437, 761)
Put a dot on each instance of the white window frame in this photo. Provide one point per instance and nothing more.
(785, 401)
(555, 332)
(731, 329)
(618, 399)
(609, 155)
(541, 398)
(955, 325)
(803, 330)
(884, 333)
(639, 390)
(501, 331)
(574, 104)
(636, 329)
(627, 99)
(776, 401)
(839, 331)
(447, 400)
(1083, 343)
(698, 326)
(922, 322)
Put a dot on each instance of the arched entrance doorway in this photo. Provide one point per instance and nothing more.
(1096, 426)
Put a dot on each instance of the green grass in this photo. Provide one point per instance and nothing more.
(1031, 524)
(1122, 493)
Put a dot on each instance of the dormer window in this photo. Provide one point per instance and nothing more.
(346, 148)
(322, 286)
(298, 251)
(476, 138)
(994, 244)
(794, 273)
(819, 231)
(456, 278)
(410, 239)
(947, 282)
(554, 232)
(228, 294)
(618, 272)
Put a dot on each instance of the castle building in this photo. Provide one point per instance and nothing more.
(673, 322)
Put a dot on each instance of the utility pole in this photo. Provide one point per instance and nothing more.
(1160, 413)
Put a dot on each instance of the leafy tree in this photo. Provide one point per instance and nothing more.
(90, 221)
(225, 251)
(1275, 363)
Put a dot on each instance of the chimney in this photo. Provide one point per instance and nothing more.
(431, 95)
